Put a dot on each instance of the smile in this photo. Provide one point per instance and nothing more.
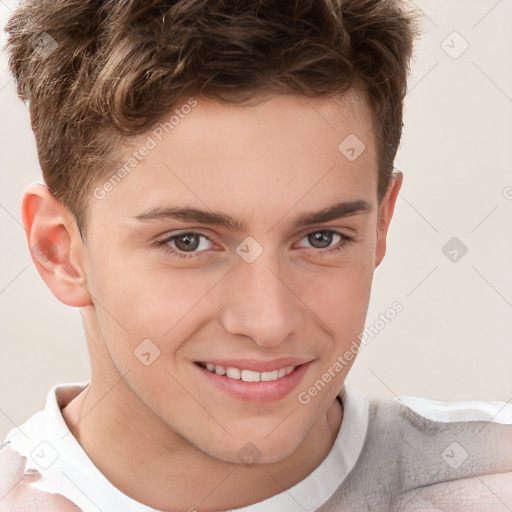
(262, 382)
(248, 375)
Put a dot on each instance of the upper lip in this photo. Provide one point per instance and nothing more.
(258, 366)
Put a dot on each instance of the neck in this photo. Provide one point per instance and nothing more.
(155, 466)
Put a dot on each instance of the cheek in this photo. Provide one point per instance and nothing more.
(139, 302)
(342, 302)
(340, 294)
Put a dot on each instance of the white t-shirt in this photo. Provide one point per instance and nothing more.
(405, 454)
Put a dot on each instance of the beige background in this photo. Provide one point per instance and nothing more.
(453, 339)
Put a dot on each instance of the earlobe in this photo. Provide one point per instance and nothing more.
(385, 215)
(54, 242)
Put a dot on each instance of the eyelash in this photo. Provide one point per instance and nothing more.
(163, 244)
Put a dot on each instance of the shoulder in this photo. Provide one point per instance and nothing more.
(458, 454)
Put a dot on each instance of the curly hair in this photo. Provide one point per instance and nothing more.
(109, 70)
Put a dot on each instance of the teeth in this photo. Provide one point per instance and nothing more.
(220, 370)
(232, 373)
(249, 375)
(265, 376)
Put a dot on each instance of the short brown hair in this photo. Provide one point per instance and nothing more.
(114, 69)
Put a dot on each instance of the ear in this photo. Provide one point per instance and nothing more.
(55, 245)
(386, 208)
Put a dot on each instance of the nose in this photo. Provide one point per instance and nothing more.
(261, 303)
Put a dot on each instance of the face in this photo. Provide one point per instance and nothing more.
(244, 241)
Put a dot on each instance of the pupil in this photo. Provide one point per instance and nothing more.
(322, 237)
(187, 242)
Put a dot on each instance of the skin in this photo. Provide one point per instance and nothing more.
(159, 433)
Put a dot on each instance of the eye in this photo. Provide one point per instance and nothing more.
(324, 238)
(183, 243)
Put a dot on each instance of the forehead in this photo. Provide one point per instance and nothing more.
(246, 160)
(268, 123)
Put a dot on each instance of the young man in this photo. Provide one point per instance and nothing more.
(218, 191)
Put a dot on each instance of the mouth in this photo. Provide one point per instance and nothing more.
(272, 383)
(246, 375)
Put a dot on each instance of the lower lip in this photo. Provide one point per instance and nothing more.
(266, 391)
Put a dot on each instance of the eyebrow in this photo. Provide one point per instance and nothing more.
(334, 212)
